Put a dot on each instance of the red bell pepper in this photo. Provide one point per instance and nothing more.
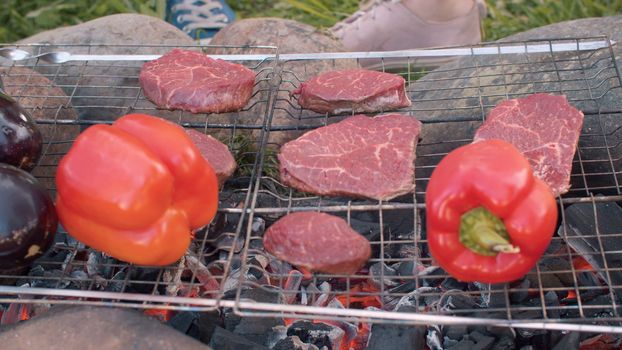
(488, 218)
(135, 189)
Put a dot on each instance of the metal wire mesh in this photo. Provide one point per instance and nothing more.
(229, 264)
(66, 98)
(452, 101)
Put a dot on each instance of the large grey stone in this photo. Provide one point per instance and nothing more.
(90, 328)
(459, 95)
(104, 90)
(120, 29)
(290, 37)
(471, 86)
(585, 27)
(44, 100)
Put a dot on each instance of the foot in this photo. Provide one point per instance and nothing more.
(389, 25)
(201, 19)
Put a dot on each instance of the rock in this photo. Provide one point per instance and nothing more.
(108, 90)
(90, 328)
(578, 28)
(290, 37)
(44, 100)
(119, 29)
(457, 95)
(519, 78)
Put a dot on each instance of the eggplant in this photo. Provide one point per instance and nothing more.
(21, 141)
(28, 219)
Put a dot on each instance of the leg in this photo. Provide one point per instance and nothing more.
(439, 10)
(387, 25)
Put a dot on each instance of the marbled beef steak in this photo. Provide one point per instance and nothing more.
(545, 128)
(357, 157)
(356, 90)
(194, 82)
(216, 153)
(318, 242)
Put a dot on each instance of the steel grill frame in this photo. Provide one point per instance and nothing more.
(596, 69)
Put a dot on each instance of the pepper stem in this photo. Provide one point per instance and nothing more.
(484, 233)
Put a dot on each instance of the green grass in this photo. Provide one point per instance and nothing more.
(319, 13)
(506, 17)
(22, 18)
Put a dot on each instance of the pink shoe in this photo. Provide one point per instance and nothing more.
(388, 25)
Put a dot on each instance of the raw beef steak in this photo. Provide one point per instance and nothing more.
(318, 242)
(216, 153)
(358, 157)
(545, 128)
(192, 81)
(356, 90)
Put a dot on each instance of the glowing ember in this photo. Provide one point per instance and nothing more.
(15, 313)
(210, 285)
(161, 314)
(600, 342)
(24, 313)
(306, 274)
(356, 300)
(580, 264)
(360, 341)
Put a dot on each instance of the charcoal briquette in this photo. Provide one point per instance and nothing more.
(455, 332)
(579, 232)
(182, 321)
(551, 301)
(434, 338)
(204, 325)
(482, 342)
(452, 283)
(568, 341)
(464, 345)
(224, 339)
(395, 337)
(293, 343)
(448, 342)
(379, 270)
(406, 268)
(457, 300)
(407, 287)
(504, 343)
(317, 333)
(520, 292)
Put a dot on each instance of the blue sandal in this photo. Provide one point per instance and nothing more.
(201, 19)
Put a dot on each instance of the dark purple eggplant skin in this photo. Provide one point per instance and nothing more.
(21, 141)
(28, 219)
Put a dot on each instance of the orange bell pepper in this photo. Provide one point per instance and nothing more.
(136, 189)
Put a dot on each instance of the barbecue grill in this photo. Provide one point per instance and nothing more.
(226, 266)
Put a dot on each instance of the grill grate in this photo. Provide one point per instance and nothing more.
(451, 102)
(98, 92)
